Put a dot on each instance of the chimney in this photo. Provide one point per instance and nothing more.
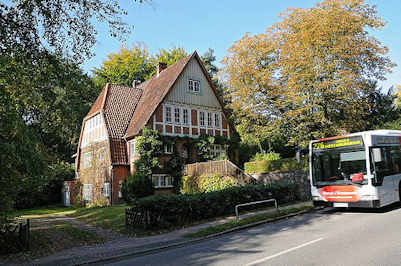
(134, 83)
(160, 67)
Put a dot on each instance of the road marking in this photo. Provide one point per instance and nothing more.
(283, 252)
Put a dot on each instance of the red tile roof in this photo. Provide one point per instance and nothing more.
(155, 90)
(98, 105)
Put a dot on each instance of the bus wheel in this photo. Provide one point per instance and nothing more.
(399, 191)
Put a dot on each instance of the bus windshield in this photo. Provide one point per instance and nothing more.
(336, 166)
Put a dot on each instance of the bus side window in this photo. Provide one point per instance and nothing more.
(395, 155)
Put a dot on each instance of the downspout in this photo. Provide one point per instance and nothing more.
(111, 185)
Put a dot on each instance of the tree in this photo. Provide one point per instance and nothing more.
(125, 66)
(208, 59)
(310, 75)
(136, 63)
(43, 92)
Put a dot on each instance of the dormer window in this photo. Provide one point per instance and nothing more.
(193, 85)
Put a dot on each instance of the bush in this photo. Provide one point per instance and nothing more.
(167, 211)
(206, 183)
(282, 165)
(270, 156)
(136, 186)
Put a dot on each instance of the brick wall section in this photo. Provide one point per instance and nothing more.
(224, 122)
(159, 128)
(159, 114)
(301, 178)
(120, 173)
(194, 115)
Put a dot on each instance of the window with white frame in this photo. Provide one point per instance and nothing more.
(185, 116)
(194, 85)
(209, 120)
(133, 150)
(106, 189)
(101, 155)
(86, 160)
(120, 194)
(177, 115)
(162, 180)
(168, 148)
(93, 131)
(217, 150)
(217, 120)
(168, 114)
(202, 118)
(87, 192)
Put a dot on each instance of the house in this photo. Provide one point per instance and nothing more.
(179, 100)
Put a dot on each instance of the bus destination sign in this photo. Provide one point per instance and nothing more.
(338, 143)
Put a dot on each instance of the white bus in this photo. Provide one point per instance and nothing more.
(359, 170)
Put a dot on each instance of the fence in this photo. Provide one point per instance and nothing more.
(224, 167)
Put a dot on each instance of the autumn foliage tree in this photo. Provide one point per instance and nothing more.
(309, 75)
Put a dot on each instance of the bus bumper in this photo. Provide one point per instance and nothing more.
(357, 204)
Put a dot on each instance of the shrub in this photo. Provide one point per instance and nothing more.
(270, 156)
(282, 165)
(136, 186)
(209, 183)
(206, 183)
(167, 211)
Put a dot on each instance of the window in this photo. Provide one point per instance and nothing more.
(387, 161)
(100, 155)
(162, 180)
(217, 150)
(202, 118)
(86, 160)
(120, 194)
(87, 192)
(168, 148)
(177, 115)
(193, 85)
(93, 131)
(106, 189)
(168, 114)
(217, 120)
(132, 150)
(209, 120)
(185, 116)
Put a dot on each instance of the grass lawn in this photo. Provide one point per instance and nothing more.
(112, 218)
(43, 211)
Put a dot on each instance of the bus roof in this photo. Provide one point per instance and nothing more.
(381, 132)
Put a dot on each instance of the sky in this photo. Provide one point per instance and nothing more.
(200, 25)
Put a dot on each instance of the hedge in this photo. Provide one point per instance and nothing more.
(168, 211)
(206, 183)
(281, 165)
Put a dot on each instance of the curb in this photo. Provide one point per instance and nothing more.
(193, 241)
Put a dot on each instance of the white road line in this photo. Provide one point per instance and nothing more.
(283, 252)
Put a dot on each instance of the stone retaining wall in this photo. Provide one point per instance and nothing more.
(301, 178)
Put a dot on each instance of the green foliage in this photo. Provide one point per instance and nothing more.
(149, 146)
(125, 66)
(169, 211)
(281, 165)
(204, 147)
(209, 183)
(206, 183)
(270, 156)
(136, 186)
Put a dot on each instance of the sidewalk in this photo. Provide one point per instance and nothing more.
(129, 246)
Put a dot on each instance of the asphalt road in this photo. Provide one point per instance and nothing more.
(325, 237)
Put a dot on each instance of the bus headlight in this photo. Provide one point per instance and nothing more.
(315, 198)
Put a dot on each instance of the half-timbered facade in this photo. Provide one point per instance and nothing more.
(178, 101)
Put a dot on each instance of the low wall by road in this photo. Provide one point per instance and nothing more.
(301, 178)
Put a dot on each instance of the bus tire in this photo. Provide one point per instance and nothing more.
(399, 191)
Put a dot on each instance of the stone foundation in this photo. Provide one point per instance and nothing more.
(300, 178)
